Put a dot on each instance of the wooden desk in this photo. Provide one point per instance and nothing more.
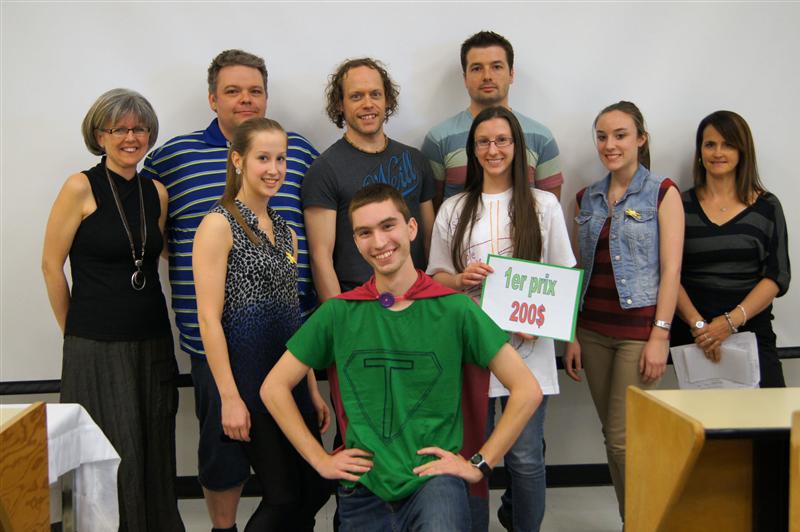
(794, 476)
(24, 498)
(690, 458)
(75, 447)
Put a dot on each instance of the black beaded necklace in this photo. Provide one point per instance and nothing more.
(371, 152)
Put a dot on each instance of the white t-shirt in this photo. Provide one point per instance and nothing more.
(492, 234)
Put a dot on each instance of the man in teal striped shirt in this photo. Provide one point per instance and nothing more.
(192, 167)
(487, 63)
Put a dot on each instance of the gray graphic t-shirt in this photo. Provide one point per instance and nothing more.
(341, 171)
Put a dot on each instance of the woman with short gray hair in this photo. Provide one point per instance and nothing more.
(118, 358)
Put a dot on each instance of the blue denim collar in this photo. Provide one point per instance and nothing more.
(635, 186)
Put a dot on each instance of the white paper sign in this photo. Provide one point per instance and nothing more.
(738, 366)
(532, 297)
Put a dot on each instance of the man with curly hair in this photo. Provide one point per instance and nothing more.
(360, 98)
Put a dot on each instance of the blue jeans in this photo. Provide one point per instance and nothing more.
(524, 498)
(440, 505)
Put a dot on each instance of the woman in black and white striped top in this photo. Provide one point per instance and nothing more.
(735, 255)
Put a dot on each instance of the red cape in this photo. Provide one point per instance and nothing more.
(475, 381)
(423, 288)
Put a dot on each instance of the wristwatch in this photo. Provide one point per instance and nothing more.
(699, 324)
(478, 462)
(661, 324)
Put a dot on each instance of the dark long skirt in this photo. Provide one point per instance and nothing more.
(129, 389)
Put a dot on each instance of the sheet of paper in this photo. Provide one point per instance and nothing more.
(738, 366)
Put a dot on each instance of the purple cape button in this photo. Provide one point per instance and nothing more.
(386, 299)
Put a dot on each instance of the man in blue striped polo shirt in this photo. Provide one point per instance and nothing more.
(192, 167)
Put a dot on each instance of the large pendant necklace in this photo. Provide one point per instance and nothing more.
(138, 279)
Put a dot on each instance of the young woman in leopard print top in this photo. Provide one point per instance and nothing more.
(244, 264)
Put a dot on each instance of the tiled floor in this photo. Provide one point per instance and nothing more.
(568, 510)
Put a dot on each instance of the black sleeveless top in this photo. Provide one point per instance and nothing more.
(262, 308)
(104, 305)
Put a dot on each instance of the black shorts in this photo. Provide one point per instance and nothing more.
(221, 465)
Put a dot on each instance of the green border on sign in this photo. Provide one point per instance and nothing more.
(577, 293)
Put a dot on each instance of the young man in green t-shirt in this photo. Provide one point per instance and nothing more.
(399, 344)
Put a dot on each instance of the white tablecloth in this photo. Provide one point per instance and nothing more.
(74, 441)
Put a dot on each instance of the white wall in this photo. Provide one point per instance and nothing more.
(678, 62)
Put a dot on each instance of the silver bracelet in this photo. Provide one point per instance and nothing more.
(744, 313)
(730, 323)
(661, 324)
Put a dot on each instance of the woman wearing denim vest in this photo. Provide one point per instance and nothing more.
(630, 239)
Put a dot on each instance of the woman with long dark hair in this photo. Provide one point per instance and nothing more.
(735, 256)
(499, 213)
(245, 271)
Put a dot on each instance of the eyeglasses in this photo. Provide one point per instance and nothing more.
(501, 142)
(122, 132)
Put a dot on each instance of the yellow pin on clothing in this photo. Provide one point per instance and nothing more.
(633, 214)
(291, 258)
